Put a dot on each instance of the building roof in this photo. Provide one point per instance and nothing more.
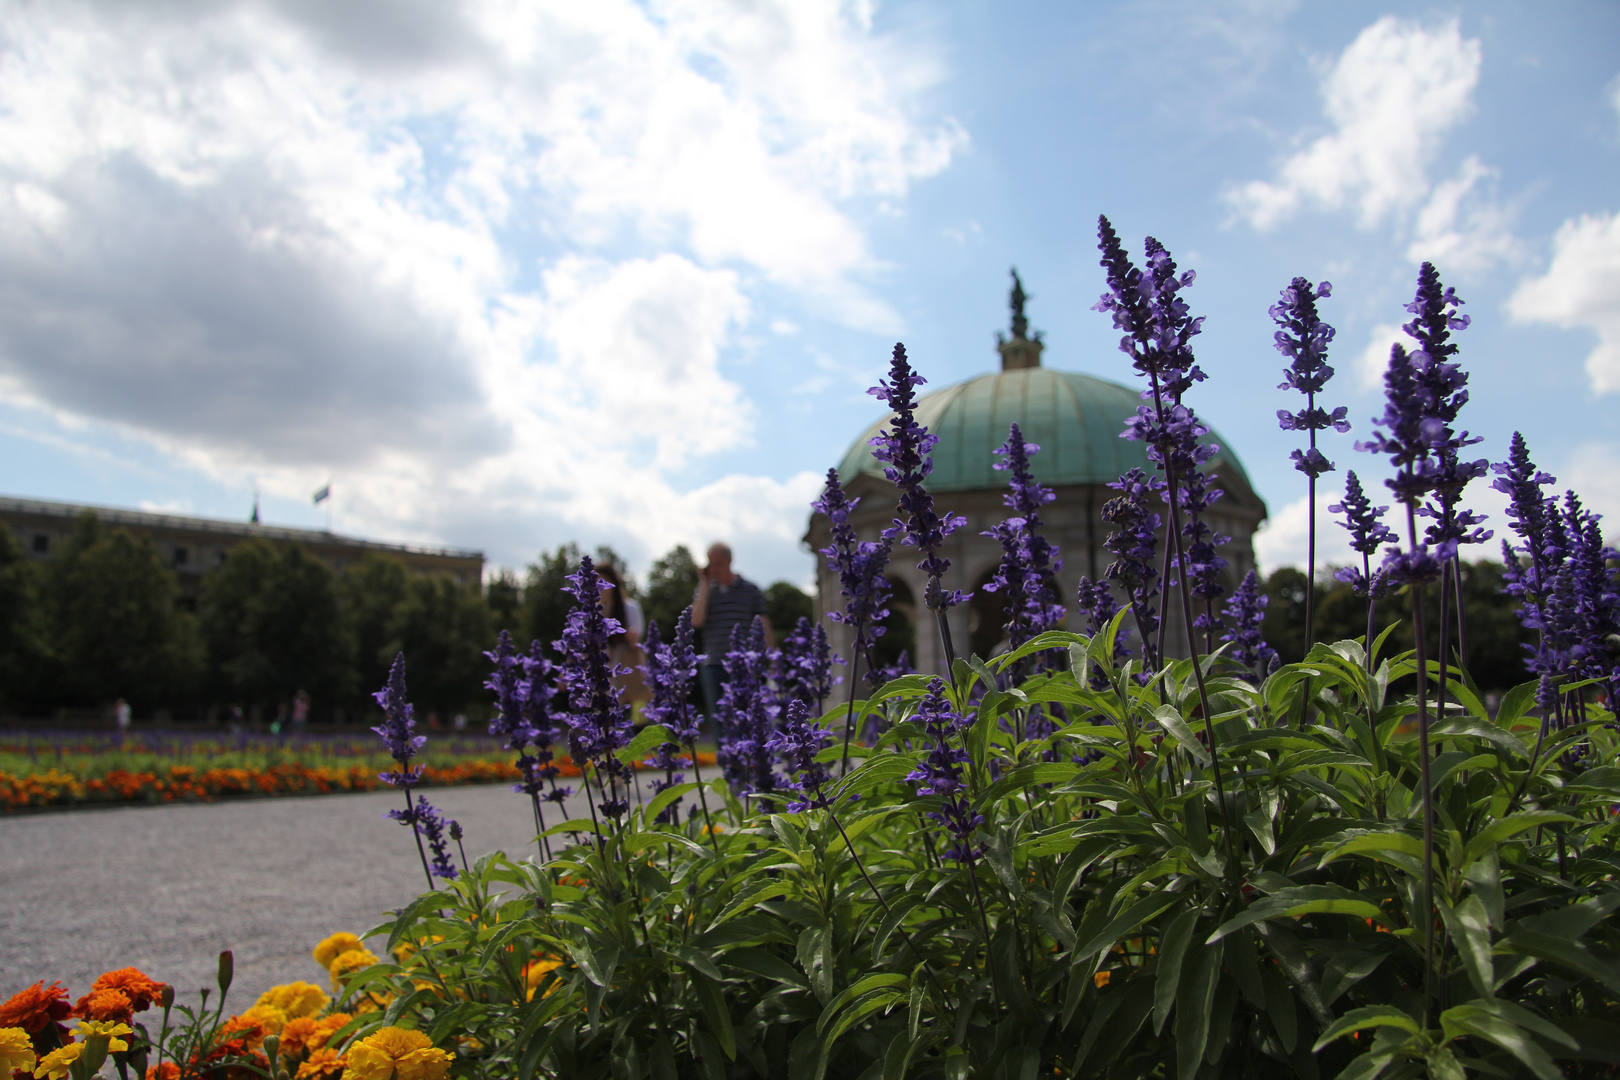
(233, 529)
(1075, 419)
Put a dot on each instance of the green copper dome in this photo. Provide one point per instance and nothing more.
(1075, 419)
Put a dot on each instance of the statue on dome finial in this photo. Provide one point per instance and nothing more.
(1020, 325)
(1023, 350)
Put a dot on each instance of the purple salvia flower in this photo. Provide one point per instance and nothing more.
(670, 670)
(430, 825)
(859, 565)
(1368, 534)
(797, 743)
(746, 712)
(1304, 338)
(905, 449)
(599, 722)
(398, 728)
(542, 725)
(1028, 559)
(1245, 612)
(664, 707)
(1201, 548)
(805, 663)
(902, 666)
(1134, 543)
(939, 774)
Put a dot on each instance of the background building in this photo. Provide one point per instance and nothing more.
(195, 545)
(1076, 420)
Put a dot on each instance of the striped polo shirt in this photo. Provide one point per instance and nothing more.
(729, 606)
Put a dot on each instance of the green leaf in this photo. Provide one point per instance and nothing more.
(1350, 967)
(1169, 718)
(1571, 954)
(1303, 900)
(712, 999)
(1368, 1016)
(1471, 1020)
(766, 964)
(1172, 951)
(667, 796)
(698, 961)
(1470, 929)
(646, 741)
(879, 981)
(1194, 996)
(1497, 832)
(1138, 913)
(878, 1001)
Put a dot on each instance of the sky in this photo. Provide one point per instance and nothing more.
(513, 274)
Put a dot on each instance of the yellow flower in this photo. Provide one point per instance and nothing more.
(110, 1029)
(16, 1052)
(350, 962)
(535, 971)
(55, 1065)
(296, 999)
(397, 1054)
(334, 947)
(269, 1019)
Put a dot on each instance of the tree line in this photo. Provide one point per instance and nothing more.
(104, 619)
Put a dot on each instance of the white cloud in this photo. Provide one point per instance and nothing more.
(1283, 538)
(1391, 97)
(482, 261)
(1461, 227)
(1593, 473)
(1581, 289)
(1373, 361)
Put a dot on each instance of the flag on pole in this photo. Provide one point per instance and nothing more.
(323, 494)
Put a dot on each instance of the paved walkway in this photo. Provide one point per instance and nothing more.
(165, 888)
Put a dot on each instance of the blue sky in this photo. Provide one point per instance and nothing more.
(515, 274)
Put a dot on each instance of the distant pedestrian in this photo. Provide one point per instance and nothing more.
(724, 601)
(300, 710)
(121, 715)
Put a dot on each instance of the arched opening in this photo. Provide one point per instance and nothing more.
(899, 629)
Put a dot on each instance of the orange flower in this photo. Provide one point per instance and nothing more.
(166, 1071)
(140, 990)
(36, 1010)
(323, 1064)
(106, 1004)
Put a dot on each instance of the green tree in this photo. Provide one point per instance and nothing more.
(671, 583)
(372, 591)
(504, 596)
(444, 629)
(545, 605)
(785, 605)
(116, 621)
(26, 658)
(273, 626)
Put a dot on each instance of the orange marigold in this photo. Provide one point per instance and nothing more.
(326, 1027)
(140, 989)
(106, 1005)
(39, 1010)
(166, 1071)
(323, 1064)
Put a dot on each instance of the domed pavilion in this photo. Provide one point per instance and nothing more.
(1076, 420)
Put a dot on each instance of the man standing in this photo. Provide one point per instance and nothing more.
(724, 601)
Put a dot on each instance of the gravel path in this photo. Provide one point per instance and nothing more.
(165, 888)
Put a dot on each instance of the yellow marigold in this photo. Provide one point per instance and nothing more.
(397, 1054)
(296, 999)
(334, 947)
(535, 971)
(406, 949)
(350, 962)
(269, 1019)
(55, 1065)
(108, 1029)
(16, 1050)
(323, 1064)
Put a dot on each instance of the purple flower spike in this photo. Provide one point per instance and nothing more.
(1134, 543)
(939, 775)
(1304, 338)
(670, 671)
(398, 729)
(1521, 482)
(1097, 603)
(904, 449)
(1028, 559)
(1245, 611)
(797, 744)
(806, 662)
(859, 565)
(747, 712)
(599, 722)
(431, 826)
(1368, 534)
(542, 725)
